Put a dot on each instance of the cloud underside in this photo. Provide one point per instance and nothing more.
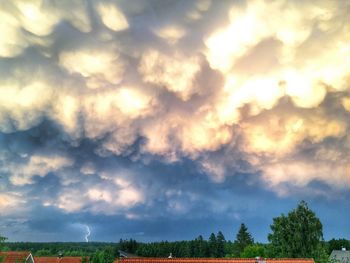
(264, 83)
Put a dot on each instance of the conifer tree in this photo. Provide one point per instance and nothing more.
(243, 239)
(202, 247)
(220, 240)
(213, 247)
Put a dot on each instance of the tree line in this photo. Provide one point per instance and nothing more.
(299, 234)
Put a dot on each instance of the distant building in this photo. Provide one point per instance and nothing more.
(15, 257)
(212, 260)
(340, 256)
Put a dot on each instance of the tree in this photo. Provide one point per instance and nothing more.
(104, 256)
(202, 247)
(320, 254)
(297, 235)
(337, 244)
(2, 240)
(213, 247)
(220, 241)
(253, 251)
(243, 239)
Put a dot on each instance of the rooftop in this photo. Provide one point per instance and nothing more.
(212, 260)
(14, 256)
(58, 260)
(342, 256)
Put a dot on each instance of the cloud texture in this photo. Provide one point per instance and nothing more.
(94, 94)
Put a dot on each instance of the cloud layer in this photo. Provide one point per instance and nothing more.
(93, 92)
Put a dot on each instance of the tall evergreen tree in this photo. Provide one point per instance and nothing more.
(202, 247)
(220, 240)
(213, 247)
(243, 239)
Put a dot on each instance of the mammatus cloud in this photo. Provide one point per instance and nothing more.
(112, 17)
(175, 73)
(255, 82)
(35, 165)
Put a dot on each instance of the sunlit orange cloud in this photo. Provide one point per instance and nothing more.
(281, 133)
(175, 73)
(299, 173)
(115, 108)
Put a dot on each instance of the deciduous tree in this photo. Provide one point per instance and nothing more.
(253, 251)
(2, 240)
(297, 235)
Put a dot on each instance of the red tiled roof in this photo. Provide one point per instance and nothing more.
(289, 260)
(58, 260)
(211, 260)
(14, 256)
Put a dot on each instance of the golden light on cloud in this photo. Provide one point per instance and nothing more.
(8, 200)
(35, 19)
(129, 102)
(172, 34)
(261, 92)
(26, 96)
(279, 134)
(246, 29)
(23, 103)
(300, 173)
(200, 137)
(14, 42)
(175, 73)
(133, 103)
(66, 112)
(97, 66)
(112, 17)
(303, 91)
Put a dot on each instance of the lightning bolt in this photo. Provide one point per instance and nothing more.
(88, 232)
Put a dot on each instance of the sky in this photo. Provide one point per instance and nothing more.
(165, 120)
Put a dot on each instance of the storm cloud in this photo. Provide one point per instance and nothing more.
(170, 111)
